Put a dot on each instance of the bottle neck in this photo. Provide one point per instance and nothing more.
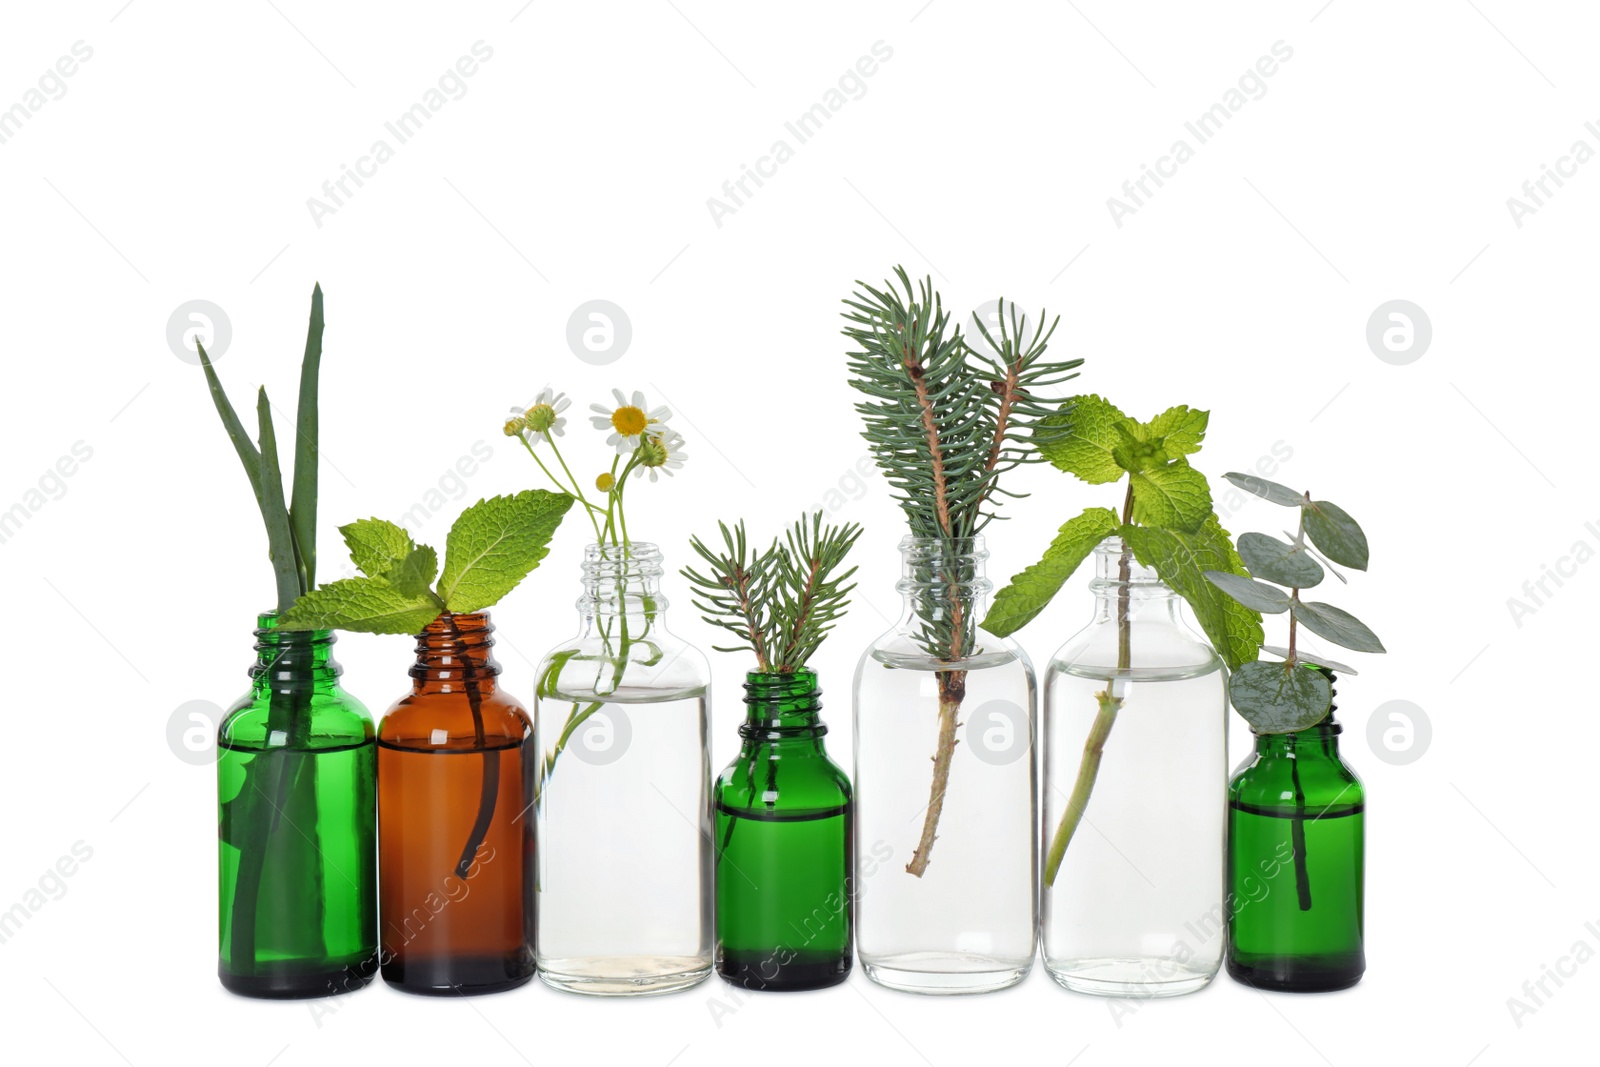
(781, 708)
(1123, 586)
(453, 655)
(292, 660)
(943, 585)
(622, 582)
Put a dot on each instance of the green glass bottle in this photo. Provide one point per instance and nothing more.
(784, 823)
(1296, 814)
(296, 795)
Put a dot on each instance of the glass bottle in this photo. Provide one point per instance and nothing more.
(295, 795)
(946, 820)
(1138, 703)
(783, 845)
(455, 836)
(624, 805)
(1296, 848)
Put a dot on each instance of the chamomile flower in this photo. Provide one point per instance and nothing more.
(541, 420)
(628, 420)
(606, 482)
(660, 453)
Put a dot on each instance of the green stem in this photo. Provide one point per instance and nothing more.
(1109, 704)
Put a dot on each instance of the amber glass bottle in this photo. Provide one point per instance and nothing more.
(455, 833)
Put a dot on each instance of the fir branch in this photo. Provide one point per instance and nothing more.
(944, 422)
(808, 598)
(783, 602)
(736, 594)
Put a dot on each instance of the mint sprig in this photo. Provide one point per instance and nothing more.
(1167, 524)
(1167, 520)
(490, 548)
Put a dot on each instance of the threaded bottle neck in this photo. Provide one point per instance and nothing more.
(622, 580)
(291, 659)
(454, 649)
(942, 579)
(782, 706)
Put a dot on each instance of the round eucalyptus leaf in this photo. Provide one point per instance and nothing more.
(1273, 560)
(1278, 494)
(1337, 534)
(1336, 625)
(1258, 596)
(1275, 698)
(1302, 656)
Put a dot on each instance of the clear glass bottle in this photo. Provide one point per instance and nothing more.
(296, 838)
(783, 845)
(1137, 703)
(946, 820)
(455, 840)
(624, 854)
(1296, 853)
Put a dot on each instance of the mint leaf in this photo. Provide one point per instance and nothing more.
(365, 605)
(1181, 559)
(1175, 496)
(1274, 560)
(1336, 625)
(1181, 429)
(1249, 592)
(495, 543)
(1028, 593)
(1079, 439)
(376, 546)
(1275, 698)
(1337, 534)
(1137, 450)
(413, 575)
(1278, 494)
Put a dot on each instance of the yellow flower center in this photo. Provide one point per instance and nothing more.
(605, 482)
(629, 421)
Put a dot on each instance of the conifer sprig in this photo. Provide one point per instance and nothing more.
(944, 422)
(781, 602)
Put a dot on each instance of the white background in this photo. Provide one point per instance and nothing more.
(177, 166)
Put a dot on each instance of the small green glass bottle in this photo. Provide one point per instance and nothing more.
(784, 823)
(1296, 814)
(297, 802)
